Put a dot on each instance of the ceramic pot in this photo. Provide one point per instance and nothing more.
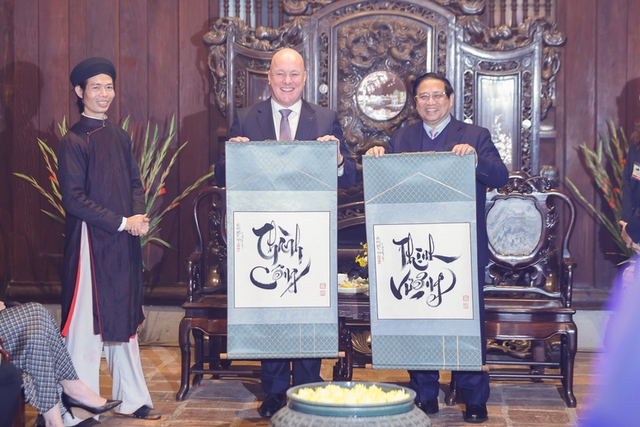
(300, 412)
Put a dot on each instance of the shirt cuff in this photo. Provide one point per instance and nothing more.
(341, 167)
(124, 223)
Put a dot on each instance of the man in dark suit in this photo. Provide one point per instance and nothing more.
(439, 131)
(305, 121)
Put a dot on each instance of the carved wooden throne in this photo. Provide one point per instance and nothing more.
(362, 57)
(529, 319)
(529, 323)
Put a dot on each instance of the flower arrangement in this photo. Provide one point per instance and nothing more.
(51, 160)
(362, 259)
(153, 174)
(360, 394)
(605, 165)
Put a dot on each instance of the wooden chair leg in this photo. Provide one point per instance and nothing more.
(343, 369)
(20, 419)
(198, 355)
(185, 351)
(223, 349)
(538, 350)
(213, 357)
(570, 347)
(451, 396)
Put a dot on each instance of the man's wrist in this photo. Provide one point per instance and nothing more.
(341, 162)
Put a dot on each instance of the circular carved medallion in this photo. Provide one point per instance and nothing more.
(381, 95)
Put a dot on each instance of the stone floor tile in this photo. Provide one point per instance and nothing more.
(538, 417)
(512, 403)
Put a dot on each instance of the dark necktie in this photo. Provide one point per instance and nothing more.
(285, 130)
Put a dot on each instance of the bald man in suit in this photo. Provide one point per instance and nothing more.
(307, 121)
(261, 122)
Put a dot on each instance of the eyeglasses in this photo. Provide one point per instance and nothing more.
(437, 96)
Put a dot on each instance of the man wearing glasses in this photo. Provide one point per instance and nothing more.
(439, 131)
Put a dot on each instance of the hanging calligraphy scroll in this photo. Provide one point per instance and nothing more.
(421, 233)
(282, 234)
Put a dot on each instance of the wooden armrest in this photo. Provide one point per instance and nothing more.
(568, 264)
(194, 275)
(195, 257)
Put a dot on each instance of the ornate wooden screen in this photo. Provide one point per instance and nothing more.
(508, 81)
(367, 55)
(362, 57)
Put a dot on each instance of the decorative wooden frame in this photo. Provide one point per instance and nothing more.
(343, 41)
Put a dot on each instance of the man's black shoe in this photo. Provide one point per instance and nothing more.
(476, 413)
(429, 407)
(272, 403)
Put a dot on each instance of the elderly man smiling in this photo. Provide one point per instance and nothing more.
(440, 131)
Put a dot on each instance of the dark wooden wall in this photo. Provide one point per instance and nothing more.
(161, 63)
(599, 81)
(162, 70)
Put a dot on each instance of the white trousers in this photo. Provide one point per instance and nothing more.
(85, 348)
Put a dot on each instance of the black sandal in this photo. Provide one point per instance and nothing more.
(144, 413)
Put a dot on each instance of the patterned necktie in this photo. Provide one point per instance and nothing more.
(285, 130)
(433, 133)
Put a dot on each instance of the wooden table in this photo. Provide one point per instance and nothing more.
(353, 320)
(208, 316)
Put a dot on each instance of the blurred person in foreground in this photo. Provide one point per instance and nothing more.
(616, 368)
(10, 386)
(612, 397)
(630, 222)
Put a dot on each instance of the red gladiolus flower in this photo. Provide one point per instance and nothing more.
(162, 191)
(616, 190)
(613, 205)
(624, 162)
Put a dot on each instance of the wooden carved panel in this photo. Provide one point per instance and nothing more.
(374, 51)
(384, 52)
(519, 64)
(354, 48)
(251, 82)
(239, 58)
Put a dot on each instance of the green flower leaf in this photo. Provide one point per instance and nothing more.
(154, 171)
(605, 165)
